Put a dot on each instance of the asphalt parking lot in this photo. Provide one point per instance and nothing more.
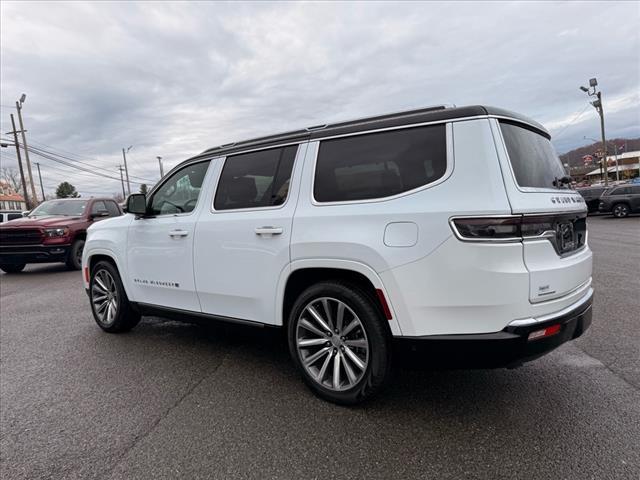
(172, 400)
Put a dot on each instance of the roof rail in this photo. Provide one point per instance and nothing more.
(316, 127)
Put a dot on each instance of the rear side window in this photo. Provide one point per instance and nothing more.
(621, 191)
(379, 165)
(13, 216)
(256, 179)
(533, 159)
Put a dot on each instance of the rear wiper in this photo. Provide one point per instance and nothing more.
(559, 182)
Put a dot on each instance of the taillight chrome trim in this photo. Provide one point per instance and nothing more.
(462, 238)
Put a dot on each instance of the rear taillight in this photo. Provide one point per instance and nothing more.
(537, 225)
(488, 228)
(566, 232)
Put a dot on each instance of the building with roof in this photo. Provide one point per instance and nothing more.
(10, 199)
(628, 166)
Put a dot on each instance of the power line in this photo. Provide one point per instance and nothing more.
(53, 151)
(50, 152)
(49, 156)
(571, 122)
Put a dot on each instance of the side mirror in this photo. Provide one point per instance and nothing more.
(137, 204)
(100, 214)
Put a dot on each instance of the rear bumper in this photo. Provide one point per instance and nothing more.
(17, 254)
(508, 348)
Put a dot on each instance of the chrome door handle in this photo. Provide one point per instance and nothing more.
(178, 233)
(268, 230)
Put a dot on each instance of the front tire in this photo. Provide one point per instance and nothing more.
(13, 268)
(339, 342)
(74, 257)
(620, 210)
(110, 305)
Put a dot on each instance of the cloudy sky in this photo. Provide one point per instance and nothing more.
(173, 79)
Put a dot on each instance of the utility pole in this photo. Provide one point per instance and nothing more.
(126, 170)
(26, 149)
(124, 195)
(40, 177)
(597, 104)
(24, 183)
(160, 163)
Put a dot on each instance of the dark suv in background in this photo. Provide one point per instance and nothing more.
(591, 197)
(621, 200)
(54, 231)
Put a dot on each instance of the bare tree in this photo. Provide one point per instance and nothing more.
(12, 177)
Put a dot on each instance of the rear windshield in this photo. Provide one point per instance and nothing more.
(532, 157)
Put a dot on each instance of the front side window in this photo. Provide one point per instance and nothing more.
(255, 179)
(378, 165)
(99, 208)
(533, 159)
(180, 192)
(113, 209)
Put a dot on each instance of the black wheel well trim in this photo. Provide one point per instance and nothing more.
(301, 279)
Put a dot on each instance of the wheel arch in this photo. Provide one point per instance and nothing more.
(626, 203)
(96, 256)
(305, 273)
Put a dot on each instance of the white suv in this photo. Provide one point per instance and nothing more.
(445, 230)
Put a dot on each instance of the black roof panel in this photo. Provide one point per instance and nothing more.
(424, 115)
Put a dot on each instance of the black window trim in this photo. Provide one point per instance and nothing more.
(498, 138)
(296, 161)
(169, 176)
(447, 172)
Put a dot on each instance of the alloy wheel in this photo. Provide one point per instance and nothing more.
(79, 254)
(620, 211)
(104, 296)
(332, 344)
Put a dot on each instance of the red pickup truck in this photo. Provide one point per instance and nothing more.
(54, 231)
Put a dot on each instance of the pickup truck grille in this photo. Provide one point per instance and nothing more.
(22, 236)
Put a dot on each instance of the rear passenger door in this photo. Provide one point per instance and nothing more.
(242, 239)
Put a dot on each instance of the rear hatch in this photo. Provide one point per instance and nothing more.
(554, 217)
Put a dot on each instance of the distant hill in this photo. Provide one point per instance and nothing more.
(574, 157)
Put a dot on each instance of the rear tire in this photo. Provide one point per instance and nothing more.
(110, 305)
(13, 268)
(620, 210)
(348, 362)
(74, 257)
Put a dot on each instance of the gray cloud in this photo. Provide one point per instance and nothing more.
(176, 78)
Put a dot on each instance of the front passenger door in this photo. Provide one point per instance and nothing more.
(160, 245)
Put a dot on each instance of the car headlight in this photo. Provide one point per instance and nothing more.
(56, 232)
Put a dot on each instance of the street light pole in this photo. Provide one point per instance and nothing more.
(124, 194)
(19, 103)
(597, 104)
